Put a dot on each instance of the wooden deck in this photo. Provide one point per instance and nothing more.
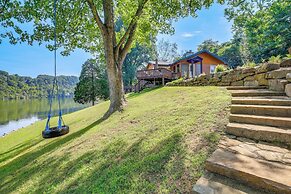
(156, 74)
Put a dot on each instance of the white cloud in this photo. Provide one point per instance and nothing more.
(190, 34)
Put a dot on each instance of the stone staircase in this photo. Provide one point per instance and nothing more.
(255, 155)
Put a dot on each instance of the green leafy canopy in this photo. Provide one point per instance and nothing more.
(76, 27)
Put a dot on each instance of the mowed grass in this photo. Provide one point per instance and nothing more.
(158, 144)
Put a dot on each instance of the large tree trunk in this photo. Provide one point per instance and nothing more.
(114, 72)
(115, 52)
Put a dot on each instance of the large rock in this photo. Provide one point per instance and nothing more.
(249, 70)
(237, 83)
(214, 80)
(277, 84)
(279, 73)
(288, 77)
(262, 81)
(288, 90)
(250, 78)
(274, 177)
(267, 67)
(286, 63)
(223, 83)
(251, 83)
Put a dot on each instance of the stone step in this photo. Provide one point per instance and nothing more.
(261, 174)
(263, 110)
(283, 101)
(245, 87)
(211, 183)
(259, 92)
(283, 122)
(259, 132)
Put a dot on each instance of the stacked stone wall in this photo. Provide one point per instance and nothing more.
(273, 75)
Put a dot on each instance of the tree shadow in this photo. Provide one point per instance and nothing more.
(133, 170)
(26, 159)
(117, 168)
(16, 150)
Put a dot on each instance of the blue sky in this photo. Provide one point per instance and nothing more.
(189, 32)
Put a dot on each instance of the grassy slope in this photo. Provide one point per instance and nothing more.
(158, 144)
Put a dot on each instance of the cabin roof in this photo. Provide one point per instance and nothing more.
(198, 53)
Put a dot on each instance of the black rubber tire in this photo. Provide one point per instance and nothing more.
(55, 132)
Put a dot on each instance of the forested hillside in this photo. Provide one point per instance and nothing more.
(15, 86)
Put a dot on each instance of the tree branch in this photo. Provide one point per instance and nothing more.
(97, 17)
(124, 50)
(131, 28)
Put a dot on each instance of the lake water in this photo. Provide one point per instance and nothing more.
(15, 114)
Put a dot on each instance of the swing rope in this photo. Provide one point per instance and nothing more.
(55, 80)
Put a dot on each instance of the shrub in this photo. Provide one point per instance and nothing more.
(220, 68)
(275, 59)
(175, 82)
(249, 64)
(288, 56)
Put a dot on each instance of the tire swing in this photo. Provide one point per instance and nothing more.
(61, 129)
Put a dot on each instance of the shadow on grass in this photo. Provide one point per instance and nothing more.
(135, 94)
(118, 168)
(26, 159)
(16, 150)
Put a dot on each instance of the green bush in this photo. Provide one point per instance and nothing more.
(275, 59)
(249, 64)
(220, 68)
(175, 82)
(288, 56)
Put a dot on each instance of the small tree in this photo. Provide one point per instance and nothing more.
(93, 83)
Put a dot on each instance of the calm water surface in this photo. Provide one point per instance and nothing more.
(15, 114)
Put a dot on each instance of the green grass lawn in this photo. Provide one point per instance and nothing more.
(158, 144)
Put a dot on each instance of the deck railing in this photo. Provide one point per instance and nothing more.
(154, 73)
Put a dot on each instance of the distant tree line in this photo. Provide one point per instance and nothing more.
(18, 87)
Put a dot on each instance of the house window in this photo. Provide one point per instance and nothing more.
(174, 69)
(212, 68)
(178, 68)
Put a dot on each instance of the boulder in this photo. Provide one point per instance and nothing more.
(286, 63)
(226, 78)
(288, 90)
(214, 80)
(277, 84)
(249, 70)
(203, 77)
(267, 67)
(250, 78)
(223, 83)
(279, 73)
(237, 83)
(251, 83)
(262, 81)
(288, 77)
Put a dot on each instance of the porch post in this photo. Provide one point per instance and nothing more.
(201, 67)
(163, 81)
(138, 85)
(192, 68)
(188, 73)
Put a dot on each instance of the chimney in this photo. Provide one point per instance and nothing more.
(156, 65)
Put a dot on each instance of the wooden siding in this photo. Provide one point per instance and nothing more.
(207, 61)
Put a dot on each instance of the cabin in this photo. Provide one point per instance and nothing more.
(189, 66)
